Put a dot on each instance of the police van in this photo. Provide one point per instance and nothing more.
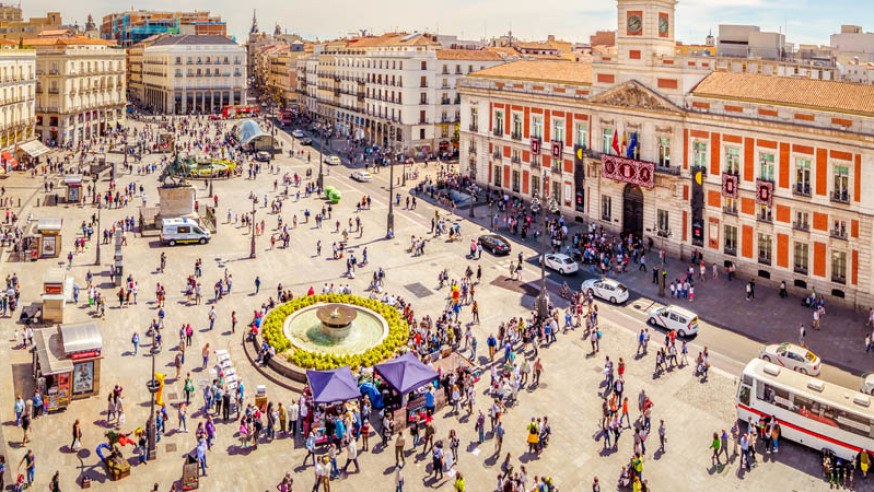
(182, 231)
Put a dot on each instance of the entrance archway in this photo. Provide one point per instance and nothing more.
(632, 210)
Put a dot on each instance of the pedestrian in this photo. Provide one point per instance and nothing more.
(135, 340)
(352, 456)
(399, 478)
(400, 442)
(662, 438)
(76, 443)
(714, 445)
(257, 284)
(30, 466)
(801, 335)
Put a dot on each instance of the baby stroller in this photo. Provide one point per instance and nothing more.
(20, 483)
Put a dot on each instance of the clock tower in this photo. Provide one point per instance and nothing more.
(645, 31)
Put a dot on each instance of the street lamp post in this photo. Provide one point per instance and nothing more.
(153, 386)
(390, 220)
(321, 181)
(97, 260)
(472, 198)
(547, 206)
(252, 249)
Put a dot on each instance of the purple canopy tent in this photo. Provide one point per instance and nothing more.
(333, 386)
(405, 373)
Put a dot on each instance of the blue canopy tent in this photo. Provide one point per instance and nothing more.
(334, 385)
(405, 373)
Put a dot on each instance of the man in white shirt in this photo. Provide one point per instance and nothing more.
(351, 456)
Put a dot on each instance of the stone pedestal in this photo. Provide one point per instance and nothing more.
(176, 201)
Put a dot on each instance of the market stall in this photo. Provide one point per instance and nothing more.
(57, 291)
(409, 379)
(41, 239)
(73, 182)
(66, 363)
(330, 388)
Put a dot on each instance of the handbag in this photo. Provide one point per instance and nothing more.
(77, 445)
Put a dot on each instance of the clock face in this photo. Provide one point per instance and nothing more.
(663, 25)
(635, 24)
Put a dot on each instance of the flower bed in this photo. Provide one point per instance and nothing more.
(398, 333)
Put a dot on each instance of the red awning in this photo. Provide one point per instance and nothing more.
(7, 158)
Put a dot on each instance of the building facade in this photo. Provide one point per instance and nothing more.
(80, 88)
(395, 90)
(133, 26)
(769, 173)
(18, 82)
(193, 74)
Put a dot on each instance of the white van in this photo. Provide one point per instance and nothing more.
(685, 322)
(183, 230)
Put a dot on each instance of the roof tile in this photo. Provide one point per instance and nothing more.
(556, 71)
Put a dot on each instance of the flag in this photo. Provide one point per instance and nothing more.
(616, 142)
(632, 145)
(624, 143)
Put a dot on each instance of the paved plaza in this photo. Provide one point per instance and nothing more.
(568, 394)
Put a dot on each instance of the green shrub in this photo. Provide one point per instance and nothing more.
(398, 333)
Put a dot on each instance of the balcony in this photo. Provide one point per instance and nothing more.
(423, 121)
(765, 218)
(839, 233)
(445, 71)
(445, 86)
(841, 196)
(445, 102)
(516, 159)
(471, 149)
(53, 90)
(498, 132)
(423, 102)
(423, 85)
(840, 279)
(800, 269)
(731, 251)
(496, 154)
(764, 260)
(473, 127)
(801, 189)
(516, 135)
(667, 170)
(729, 210)
(801, 226)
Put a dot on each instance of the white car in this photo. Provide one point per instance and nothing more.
(333, 160)
(606, 288)
(297, 134)
(793, 357)
(363, 176)
(561, 263)
(867, 384)
(685, 322)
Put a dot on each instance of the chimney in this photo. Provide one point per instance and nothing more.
(550, 37)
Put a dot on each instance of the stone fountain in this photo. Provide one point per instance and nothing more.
(336, 319)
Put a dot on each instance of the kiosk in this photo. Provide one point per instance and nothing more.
(66, 363)
(73, 182)
(42, 239)
(57, 290)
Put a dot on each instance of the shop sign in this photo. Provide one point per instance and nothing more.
(85, 355)
(53, 289)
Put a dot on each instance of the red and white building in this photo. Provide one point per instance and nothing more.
(769, 169)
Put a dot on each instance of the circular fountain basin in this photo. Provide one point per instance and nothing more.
(306, 330)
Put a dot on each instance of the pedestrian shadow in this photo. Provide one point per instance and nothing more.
(658, 454)
(715, 469)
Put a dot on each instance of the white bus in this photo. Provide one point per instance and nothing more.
(810, 411)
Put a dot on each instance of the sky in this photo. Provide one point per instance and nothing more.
(804, 21)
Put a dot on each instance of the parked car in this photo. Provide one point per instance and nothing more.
(362, 176)
(495, 244)
(682, 320)
(606, 288)
(306, 141)
(297, 134)
(262, 156)
(561, 263)
(793, 357)
(867, 384)
(333, 160)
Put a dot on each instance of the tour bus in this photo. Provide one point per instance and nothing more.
(810, 411)
(182, 231)
(239, 111)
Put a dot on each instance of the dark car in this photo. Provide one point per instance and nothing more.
(496, 244)
(306, 141)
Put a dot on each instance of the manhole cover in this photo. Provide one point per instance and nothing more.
(172, 395)
(170, 448)
(418, 289)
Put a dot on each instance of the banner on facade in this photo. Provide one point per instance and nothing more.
(764, 192)
(556, 149)
(535, 145)
(729, 185)
(629, 170)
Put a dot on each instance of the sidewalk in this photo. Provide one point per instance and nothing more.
(766, 319)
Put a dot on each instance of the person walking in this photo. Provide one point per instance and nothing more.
(662, 438)
(399, 478)
(76, 443)
(400, 442)
(352, 456)
(30, 466)
(714, 445)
